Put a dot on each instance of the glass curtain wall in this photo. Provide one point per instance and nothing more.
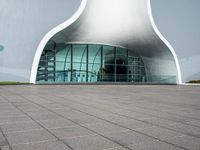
(82, 63)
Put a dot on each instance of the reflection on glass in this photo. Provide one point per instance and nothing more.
(79, 63)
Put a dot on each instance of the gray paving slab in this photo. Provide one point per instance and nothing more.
(18, 138)
(159, 121)
(128, 138)
(160, 133)
(93, 142)
(54, 106)
(72, 114)
(117, 148)
(46, 116)
(20, 126)
(33, 108)
(194, 123)
(114, 118)
(52, 145)
(100, 117)
(56, 123)
(5, 148)
(89, 120)
(154, 145)
(134, 124)
(106, 127)
(3, 141)
(4, 120)
(16, 113)
(188, 142)
(186, 129)
(71, 132)
(7, 108)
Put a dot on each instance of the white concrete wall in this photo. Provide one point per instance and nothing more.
(178, 21)
(127, 24)
(24, 23)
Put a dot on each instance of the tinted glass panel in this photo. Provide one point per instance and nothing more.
(81, 63)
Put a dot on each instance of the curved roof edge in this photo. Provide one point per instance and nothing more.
(67, 23)
(179, 80)
(49, 35)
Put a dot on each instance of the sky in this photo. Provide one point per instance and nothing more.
(179, 21)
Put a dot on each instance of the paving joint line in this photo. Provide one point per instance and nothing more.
(79, 125)
(123, 127)
(38, 142)
(39, 124)
(134, 119)
(142, 113)
(79, 110)
(165, 112)
(1, 131)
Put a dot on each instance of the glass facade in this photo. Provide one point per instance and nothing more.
(89, 63)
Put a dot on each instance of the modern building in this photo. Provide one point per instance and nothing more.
(89, 41)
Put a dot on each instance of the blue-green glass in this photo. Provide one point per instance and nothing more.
(79, 63)
(79, 53)
(91, 63)
(60, 59)
(94, 55)
(108, 55)
(60, 65)
(94, 63)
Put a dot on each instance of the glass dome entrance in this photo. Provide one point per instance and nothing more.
(89, 63)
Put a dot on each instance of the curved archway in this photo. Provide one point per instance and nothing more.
(49, 35)
(127, 24)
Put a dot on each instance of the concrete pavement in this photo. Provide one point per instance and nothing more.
(99, 117)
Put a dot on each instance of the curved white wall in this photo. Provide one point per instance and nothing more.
(49, 35)
(25, 23)
(128, 24)
(179, 76)
(179, 22)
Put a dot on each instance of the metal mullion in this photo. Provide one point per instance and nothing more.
(54, 63)
(95, 58)
(115, 65)
(101, 63)
(46, 70)
(71, 62)
(87, 62)
(85, 50)
(65, 63)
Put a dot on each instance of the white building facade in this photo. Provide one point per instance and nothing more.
(88, 41)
